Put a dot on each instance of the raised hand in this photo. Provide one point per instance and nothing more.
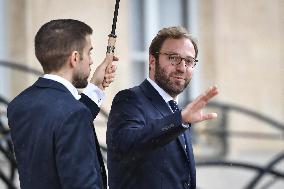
(105, 72)
(109, 75)
(193, 112)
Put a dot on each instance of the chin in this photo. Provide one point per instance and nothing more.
(81, 84)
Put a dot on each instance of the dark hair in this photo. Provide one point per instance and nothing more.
(57, 39)
(176, 32)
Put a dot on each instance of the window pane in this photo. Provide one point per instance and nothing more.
(139, 72)
(136, 17)
(170, 13)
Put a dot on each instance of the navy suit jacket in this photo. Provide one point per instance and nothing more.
(145, 146)
(53, 138)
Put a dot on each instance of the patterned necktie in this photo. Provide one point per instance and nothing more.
(174, 106)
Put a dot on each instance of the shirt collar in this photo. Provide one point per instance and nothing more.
(64, 82)
(161, 91)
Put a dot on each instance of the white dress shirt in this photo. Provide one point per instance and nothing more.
(92, 91)
(161, 91)
(165, 96)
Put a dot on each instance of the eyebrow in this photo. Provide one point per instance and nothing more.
(174, 53)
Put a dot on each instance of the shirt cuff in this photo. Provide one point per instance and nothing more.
(185, 125)
(94, 93)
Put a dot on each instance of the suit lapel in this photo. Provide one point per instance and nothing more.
(159, 103)
(156, 99)
(182, 144)
(101, 160)
(189, 144)
(191, 159)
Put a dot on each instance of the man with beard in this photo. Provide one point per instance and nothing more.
(51, 124)
(148, 137)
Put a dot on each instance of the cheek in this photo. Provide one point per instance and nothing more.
(85, 68)
(189, 72)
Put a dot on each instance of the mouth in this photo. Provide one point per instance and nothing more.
(178, 78)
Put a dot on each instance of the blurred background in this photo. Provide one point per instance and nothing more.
(241, 47)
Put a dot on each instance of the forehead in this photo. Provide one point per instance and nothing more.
(88, 43)
(181, 46)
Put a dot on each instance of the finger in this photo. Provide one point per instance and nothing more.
(109, 80)
(105, 84)
(115, 58)
(108, 59)
(111, 75)
(203, 99)
(209, 93)
(105, 64)
(111, 57)
(111, 69)
(198, 102)
(209, 116)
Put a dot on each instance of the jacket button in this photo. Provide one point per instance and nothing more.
(186, 185)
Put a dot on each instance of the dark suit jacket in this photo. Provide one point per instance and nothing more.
(53, 138)
(145, 146)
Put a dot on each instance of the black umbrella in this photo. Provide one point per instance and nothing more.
(112, 35)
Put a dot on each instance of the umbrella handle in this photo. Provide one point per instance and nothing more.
(111, 43)
(112, 36)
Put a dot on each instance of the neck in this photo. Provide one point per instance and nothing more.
(62, 74)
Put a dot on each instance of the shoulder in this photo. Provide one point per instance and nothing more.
(127, 95)
(71, 105)
(20, 98)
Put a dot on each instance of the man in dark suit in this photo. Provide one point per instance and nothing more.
(148, 137)
(51, 124)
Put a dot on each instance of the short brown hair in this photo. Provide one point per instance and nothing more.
(176, 32)
(57, 39)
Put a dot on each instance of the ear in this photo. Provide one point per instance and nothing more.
(74, 58)
(152, 62)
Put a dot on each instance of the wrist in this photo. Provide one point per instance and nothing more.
(183, 117)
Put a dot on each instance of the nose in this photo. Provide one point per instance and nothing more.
(181, 66)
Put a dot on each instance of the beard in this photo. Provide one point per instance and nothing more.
(80, 80)
(173, 88)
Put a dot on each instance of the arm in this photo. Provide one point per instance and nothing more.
(93, 94)
(75, 148)
(130, 130)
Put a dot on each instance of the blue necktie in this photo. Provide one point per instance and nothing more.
(174, 106)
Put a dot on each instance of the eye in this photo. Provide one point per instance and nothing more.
(173, 57)
(189, 60)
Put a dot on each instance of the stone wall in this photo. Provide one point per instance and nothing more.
(27, 16)
(242, 52)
